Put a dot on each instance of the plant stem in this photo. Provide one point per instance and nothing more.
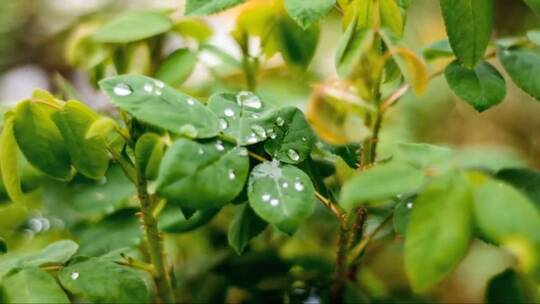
(154, 242)
(340, 274)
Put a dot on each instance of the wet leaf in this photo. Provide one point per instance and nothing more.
(149, 150)
(523, 66)
(245, 226)
(177, 67)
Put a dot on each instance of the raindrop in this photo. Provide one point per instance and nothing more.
(285, 185)
(148, 88)
(274, 202)
(409, 205)
(122, 89)
(271, 133)
(293, 155)
(228, 112)
(280, 121)
(74, 275)
(298, 186)
(265, 197)
(259, 131)
(223, 124)
(191, 101)
(220, 146)
(158, 92)
(35, 224)
(160, 84)
(243, 152)
(232, 174)
(252, 139)
(248, 99)
(188, 130)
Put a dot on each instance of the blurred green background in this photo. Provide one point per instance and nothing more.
(33, 36)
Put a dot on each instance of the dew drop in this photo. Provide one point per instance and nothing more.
(259, 131)
(252, 138)
(158, 92)
(265, 197)
(285, 185)
(228, 112)
(188, 130)
(148, 88)
(220, 146)
(248, 99)
(274, 202)
(280, 121)
(191, 101)
(122, 89)
(74, 275)
(223, 124)
(232, 174)
(271, 133)
(160, 84)
(409, 205)
(298, 186)
(293, 155)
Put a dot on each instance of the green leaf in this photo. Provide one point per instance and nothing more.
(438, 49)
(534, 36)
(380, 182)
(243, 116)
(155, 103)
(511, 287)
(88, 156)
(177, 67)
(402, 214)
(391, 17)
(525, 180)
(245, 226)
(40, 140)
(32, 285)
(422, 155)
(502, 212)
(101, 281)
(133, 26)
(439, 230)
(191, 27)
(173, 220)
(297, 45)
(291, 140)
(190, 171)
(468, 24)
(56, 253)
(101, 127)
(351, 46)
(9, 161)
(534, 5)
(482, 87)
(209, 7)
(148, 153)
(523, 66)
(306, 13)
(281, 195)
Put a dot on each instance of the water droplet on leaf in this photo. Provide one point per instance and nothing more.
(228, 112)
(293, 155)
(160, 84)
(122, 89)
(259, 131)
(298, 186)
(285, 185)
(248, 99)
(191, 101)
(158, 92)
(188, 130)
(274, 202)
(220, 146)
(74, 275)
(223, 124)
(409, 205)
(280, 121)
(148, 88)
(265, 197)
(232, 174)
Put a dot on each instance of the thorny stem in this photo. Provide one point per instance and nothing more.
(154, 242)
(357, 250)
(340, 274)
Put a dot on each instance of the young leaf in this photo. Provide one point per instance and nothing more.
(511, 287)
(192, 27)
(291, 140)
(281, 195)
(32, 285)
(9, 161)
(351, 46)
(482, 87)
(56, 253)
(209, 7)
(177, 67)
(101, 281)
(173, 220)
(242, 116)
(468, 24)
(101, 127)
(148, 153)
(306, 13)
(439, 230)
(88, 156)
(297, 46)
(245, 226)
(133, 26)
(380, 182)
(438, 49)
(155, 103)
(40, 140)
(412, 67)
(523, 66)
(391, 16)
(190, 171)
